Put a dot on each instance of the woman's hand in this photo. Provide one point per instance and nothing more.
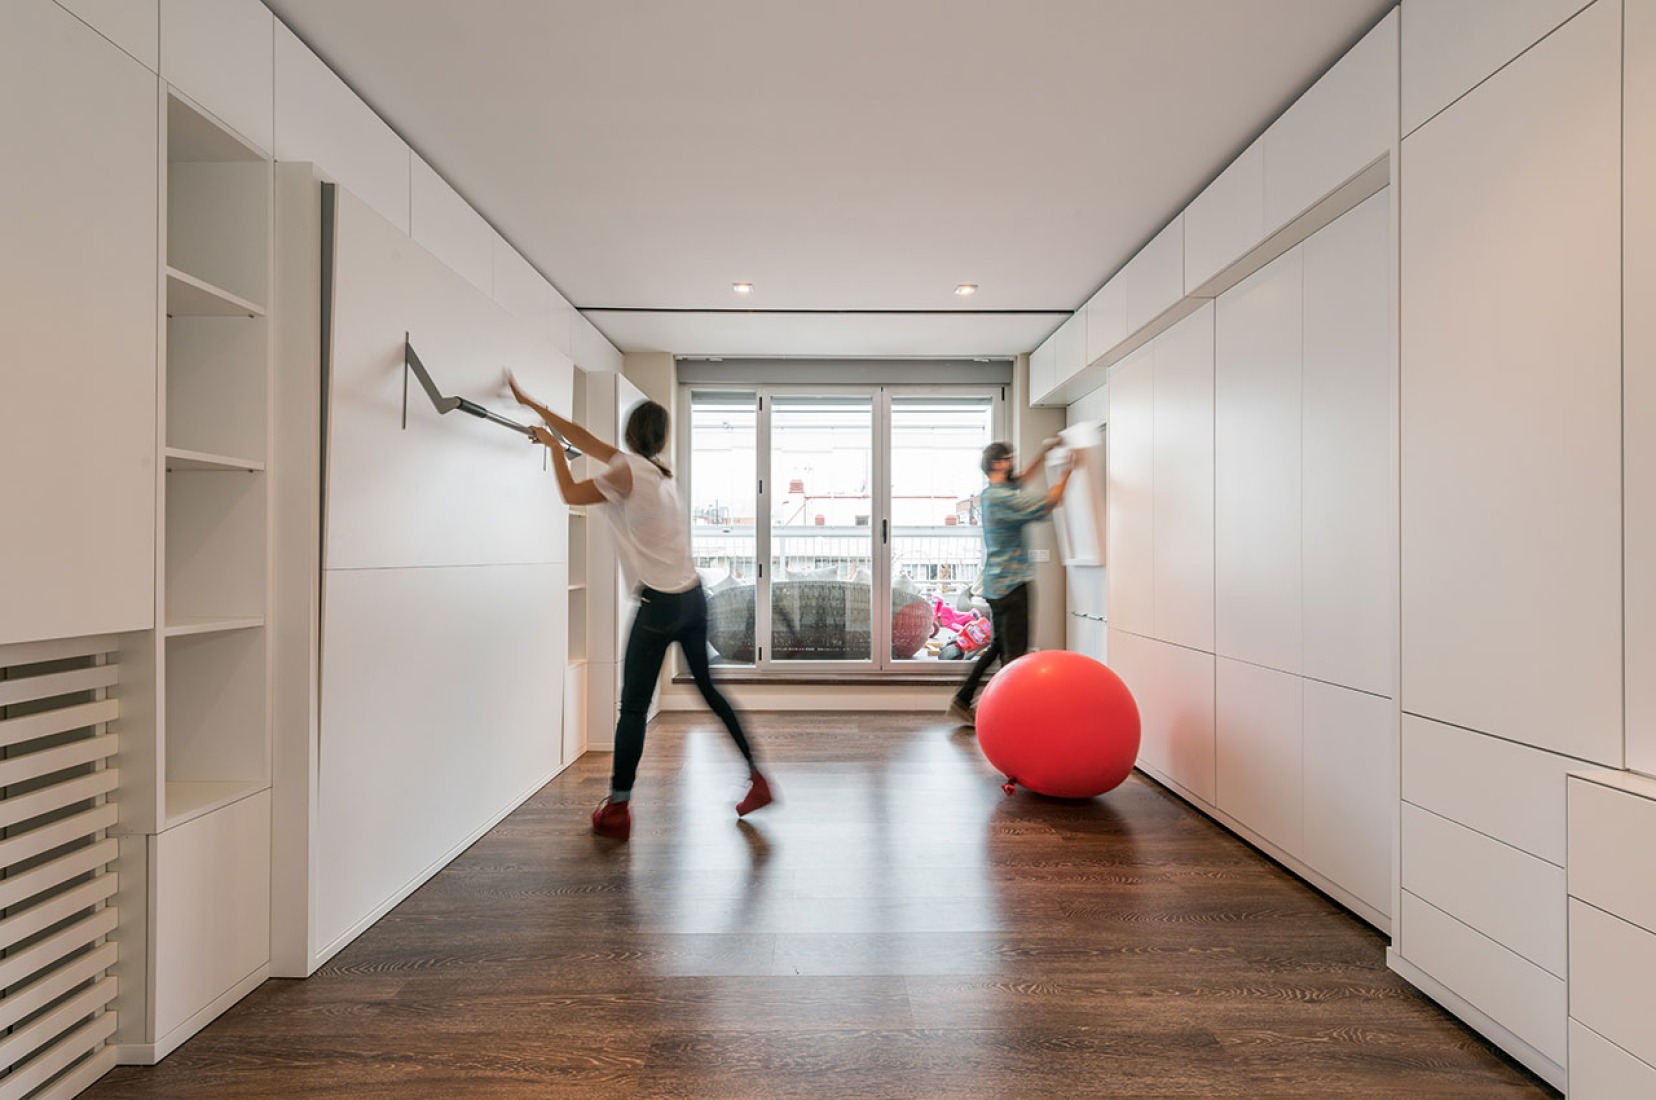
(545, 438)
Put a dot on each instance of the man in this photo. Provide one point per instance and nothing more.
(1006, 509)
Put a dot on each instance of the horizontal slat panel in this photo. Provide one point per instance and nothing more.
(23, 1042)
(36, 919)
(63, 1054)
(79, 1079)
(82, 933)
(37, 880)
(48, 722)
(1613, 979)
(30, 688)
(18, 888)
(57, 649)
(49, 987)
(57, 796)
(36, 764)
(17, 848)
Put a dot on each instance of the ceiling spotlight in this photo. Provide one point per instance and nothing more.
(965, 290)
(742, 288)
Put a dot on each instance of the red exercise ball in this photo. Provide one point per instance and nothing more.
(1059, 723)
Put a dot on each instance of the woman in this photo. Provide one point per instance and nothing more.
(653, 533)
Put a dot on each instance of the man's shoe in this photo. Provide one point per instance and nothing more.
(960, 712)
(612, 819)
(758, 796)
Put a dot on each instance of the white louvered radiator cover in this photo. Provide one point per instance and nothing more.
(56, 881)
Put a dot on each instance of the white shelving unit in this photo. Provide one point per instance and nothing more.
(576, 705)
(196, 802)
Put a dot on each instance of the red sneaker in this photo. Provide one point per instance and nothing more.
(758, 796)
(612, 819)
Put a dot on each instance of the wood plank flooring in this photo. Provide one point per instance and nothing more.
(895, 927)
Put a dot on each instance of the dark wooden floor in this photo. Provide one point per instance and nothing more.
(895, 928)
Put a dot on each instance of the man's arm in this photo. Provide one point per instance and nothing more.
(1040, 459)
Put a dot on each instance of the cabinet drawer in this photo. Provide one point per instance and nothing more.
(1510, 896)
(1613, 979)
(1601, 1070)
(1508, 791)
(1606, 825)
(1509, 989)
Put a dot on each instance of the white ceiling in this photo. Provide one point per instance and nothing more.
(844, 156)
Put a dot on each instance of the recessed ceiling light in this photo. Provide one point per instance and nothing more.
(966, 289)
(742, 288)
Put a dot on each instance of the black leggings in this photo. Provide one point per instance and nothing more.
(664, 618)
(1009, 618)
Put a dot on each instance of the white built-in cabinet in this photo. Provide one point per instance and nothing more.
(195, 805)
(576, 728)
(1251, 600)
(1523, 274)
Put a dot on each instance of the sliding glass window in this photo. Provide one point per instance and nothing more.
(831, 525)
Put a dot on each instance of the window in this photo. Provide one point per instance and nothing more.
(829, 524)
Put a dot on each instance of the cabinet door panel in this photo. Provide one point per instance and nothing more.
(1130, 497)
(219, 53)
(1155, 277)
(1449, 46)
(319, 119)
(1257, 458)
(1261, 752)
(1344, 123)
(78, 211)
(1511, 401)
(1183, 476)
(133, 25)
(1351, 789)
(1350, 591)
(1227, 219)
(450, 229)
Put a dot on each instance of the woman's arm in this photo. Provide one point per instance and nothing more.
(582, 440)
(574, 492)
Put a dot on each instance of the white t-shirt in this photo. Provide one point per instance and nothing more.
(650, 525)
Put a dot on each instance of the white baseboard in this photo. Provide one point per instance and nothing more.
(1359, 908)
(1536, 1062)
(148, 1054)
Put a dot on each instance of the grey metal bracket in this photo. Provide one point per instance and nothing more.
(444, 405)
